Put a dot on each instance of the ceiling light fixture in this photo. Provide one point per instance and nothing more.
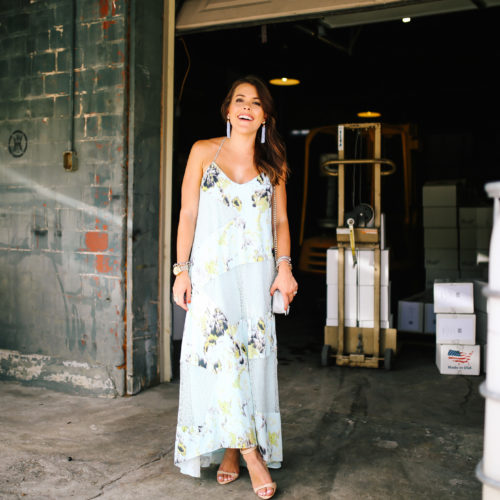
(369, 114)
(284, 81)
(406, 19)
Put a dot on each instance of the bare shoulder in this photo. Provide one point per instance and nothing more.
(206, 146)
(203, 151)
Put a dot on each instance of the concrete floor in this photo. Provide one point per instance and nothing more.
(348, 434)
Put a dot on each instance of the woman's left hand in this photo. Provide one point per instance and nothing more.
(285, 283)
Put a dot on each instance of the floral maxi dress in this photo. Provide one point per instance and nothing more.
(229, 390)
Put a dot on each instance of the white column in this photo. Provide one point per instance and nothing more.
(488, 470)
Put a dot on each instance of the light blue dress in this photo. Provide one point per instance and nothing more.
(229, 389)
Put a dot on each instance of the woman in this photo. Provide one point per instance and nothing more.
(225, 278)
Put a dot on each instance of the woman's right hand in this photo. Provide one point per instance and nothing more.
(182, 290)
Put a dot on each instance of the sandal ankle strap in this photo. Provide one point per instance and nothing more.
(246, 451)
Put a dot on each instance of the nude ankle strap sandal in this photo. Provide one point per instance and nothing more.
(272, 485)
(233, 475)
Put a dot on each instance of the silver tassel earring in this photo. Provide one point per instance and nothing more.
(228, 128)
(263, 133)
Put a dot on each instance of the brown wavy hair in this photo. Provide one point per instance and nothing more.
(270, 157)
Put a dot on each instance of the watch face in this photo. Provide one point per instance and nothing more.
(177, 270)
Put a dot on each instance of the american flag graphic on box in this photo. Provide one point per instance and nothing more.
(459, 356)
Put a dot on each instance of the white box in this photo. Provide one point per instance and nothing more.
(435, 273)
(441, 258)
(456, 298)
(350, 305)
(440, 216)
(429, 319)
(481, 327)
(363, 273)
(369, 324)
(475, 216)
(366, 271)
(452, 359)
(366, 303)
(468, 257)
(335, 322)
(475, 237)
(480, 300)
(439, 194)
(410, 316)
(332, 302)
(456, 329)
(445, 237)
(332, 267)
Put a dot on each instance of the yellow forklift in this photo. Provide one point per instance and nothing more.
(359, 230)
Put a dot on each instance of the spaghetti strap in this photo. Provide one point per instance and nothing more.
(218, 151)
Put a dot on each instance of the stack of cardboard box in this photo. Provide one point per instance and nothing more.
(456, 350)
(358, 289)
(475, 226)
(440, 231)
(416, 314)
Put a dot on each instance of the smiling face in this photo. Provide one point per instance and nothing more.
(245, 109)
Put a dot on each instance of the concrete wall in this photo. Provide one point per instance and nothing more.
(63, 235)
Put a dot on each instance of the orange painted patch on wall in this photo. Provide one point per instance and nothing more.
(96, 241)
(104, 8)
(107, 24)
(102, 264)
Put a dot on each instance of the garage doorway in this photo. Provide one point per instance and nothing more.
(433, 72)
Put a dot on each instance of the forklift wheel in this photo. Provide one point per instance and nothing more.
(388, 354)
(325, 355)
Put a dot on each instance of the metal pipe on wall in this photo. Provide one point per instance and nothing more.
(488, 470)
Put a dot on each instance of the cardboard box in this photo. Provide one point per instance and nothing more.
(475, 216)
(410, 316)
(469, 257)
(456, 329)
(456, 298)
(350, 305)
(439, 194)
(335, 322)
(332, 267)
(440, 216)
(475, 237)
(366, 303)
(364, 271)
(480, 300)
(441, 258)
(481, 327)
(445, 237)
(429, 318)
(435, 273)
(452, 359)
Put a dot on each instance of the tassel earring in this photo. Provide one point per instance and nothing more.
(263, 133)
(228, 127)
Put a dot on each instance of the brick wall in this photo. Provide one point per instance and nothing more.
(63, 234)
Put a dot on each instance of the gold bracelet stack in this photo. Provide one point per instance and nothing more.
(178, 267)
